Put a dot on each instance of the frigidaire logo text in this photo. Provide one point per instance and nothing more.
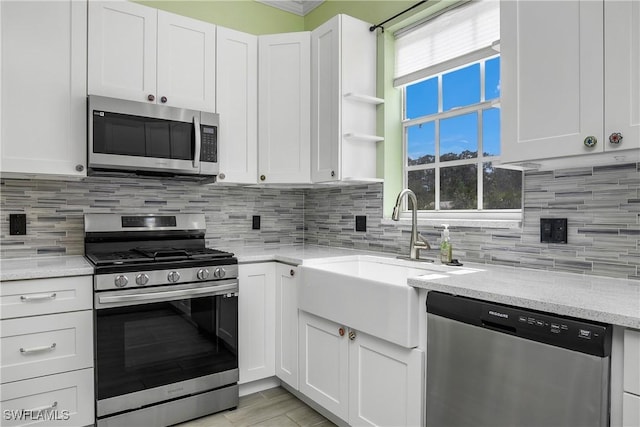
(495, 313)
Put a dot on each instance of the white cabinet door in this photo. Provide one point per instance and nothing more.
(237, 104)
(283, 108)
(186, 62)
(43, 79)
(256, 321)
(122, 50)
(287, 324)
(325, 102)
(70, 394)
(552, 78)
(622, 73)
(45, 345)
(324, 363)
(385, 383)
(343, 103)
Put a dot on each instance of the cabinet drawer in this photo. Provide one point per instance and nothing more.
(631, 364)
(55, 400)
(630, 410)
(44, 345)
(22, 298)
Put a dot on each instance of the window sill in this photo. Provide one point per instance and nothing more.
(502, 220)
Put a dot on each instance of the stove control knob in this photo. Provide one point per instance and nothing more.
(173, 277)
(121, 281)
(203, 274)
(219, 273)
(142, 279)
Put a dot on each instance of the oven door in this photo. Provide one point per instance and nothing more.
(158, 344)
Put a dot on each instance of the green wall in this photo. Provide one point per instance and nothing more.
(256, 18)
(242, 15)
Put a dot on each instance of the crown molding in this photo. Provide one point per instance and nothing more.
(299, 7)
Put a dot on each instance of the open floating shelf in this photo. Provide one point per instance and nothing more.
(363, 137)
(363, 98)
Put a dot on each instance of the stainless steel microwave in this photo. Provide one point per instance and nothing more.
(129, 136)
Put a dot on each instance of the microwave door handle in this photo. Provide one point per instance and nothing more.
(196, 155)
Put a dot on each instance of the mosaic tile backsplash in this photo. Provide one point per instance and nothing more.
(602, 205)
(55, 210)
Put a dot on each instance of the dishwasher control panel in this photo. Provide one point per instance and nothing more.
(574, 334)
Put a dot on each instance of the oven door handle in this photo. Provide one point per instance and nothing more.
(168, 295)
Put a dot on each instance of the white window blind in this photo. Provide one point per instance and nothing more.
(459, 32)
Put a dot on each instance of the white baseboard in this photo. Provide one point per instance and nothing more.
(259, 385)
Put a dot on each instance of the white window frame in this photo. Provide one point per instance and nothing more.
(471, 217)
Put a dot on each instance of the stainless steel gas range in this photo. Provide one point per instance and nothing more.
(166, 319)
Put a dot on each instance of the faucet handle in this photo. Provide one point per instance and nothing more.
(422, 242)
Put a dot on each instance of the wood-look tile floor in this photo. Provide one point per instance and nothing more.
(275, 407)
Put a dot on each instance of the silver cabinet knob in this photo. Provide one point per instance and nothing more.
(615, 138)
(203, 274)
(79, 168)
(219, 273)
(221, 175)
(173, 277)
(121, 281)
(142, 279)
(151, 98)
(292, 272)
(163, 99)
(352, 335)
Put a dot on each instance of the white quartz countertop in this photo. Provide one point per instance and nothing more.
(608, 300)
(43, 267)
(603, 299)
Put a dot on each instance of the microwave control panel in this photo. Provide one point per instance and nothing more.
(209, 147)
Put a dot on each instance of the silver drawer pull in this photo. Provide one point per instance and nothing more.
(38, 349)
(41, 409)
(38, 297)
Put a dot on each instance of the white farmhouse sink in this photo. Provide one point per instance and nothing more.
(366, 293)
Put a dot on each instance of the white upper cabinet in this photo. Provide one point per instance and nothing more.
(567, 89)
(237, 104)
(622, 74)
(283, 108)
(343, 102)
(122, 50)
(143, 54)
(43, 86)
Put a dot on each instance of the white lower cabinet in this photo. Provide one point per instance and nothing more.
(359, 378)
(54, 400)
(43, 345)
(46, 352)
(631, 395)
(324, 363)
(287, 324)
(256, 321)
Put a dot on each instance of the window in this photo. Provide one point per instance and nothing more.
(451, 122)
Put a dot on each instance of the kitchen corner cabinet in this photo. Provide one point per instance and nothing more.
(559, 84)
(237, 104)
(359, 378)
(343, 102)
(256, 321)
(287, 282)
(148, 55)
(43, 87)
(283, 108)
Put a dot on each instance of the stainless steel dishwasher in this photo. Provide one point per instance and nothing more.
(497, 365)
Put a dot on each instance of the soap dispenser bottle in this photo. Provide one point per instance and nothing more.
(445, 245)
